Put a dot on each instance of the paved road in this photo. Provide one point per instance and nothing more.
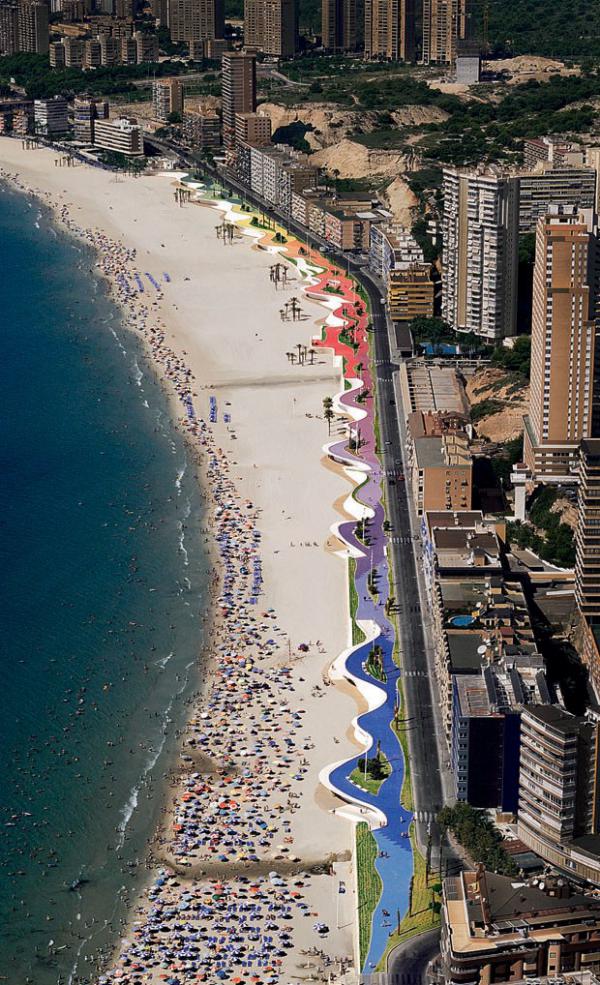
(408, 963)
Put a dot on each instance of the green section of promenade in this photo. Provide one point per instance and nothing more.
(369, 885)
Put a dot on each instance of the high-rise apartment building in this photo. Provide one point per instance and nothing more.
(167, 98)
(549, 185)
(390, 29)
(480, 256)
(238, 91)
(444, 23)
(196, 20)
(9, 29)
(559, 788)
(587, 563)
(565, 340)
(160, 12)
(74, 49)
(271, 26)
(146, 46)
(120, 136)
(85, 113)
(253, 129)
(338, 25)
(92, 54)
(33, 27)
(51, 118)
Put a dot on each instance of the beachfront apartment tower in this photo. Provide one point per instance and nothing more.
(120, 136)
(338, 25)
(50, 116)
(271, 26)
(390, 29)
(196, 20)
(565, 345)
(444, 24)
(167, 98)
(9, 29)
(559, 788)
(238, 91)
(480, 255)
(34, 35)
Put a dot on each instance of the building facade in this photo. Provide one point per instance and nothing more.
(167, 98)
(121, 136)
(550, 186)
(410, 292)
(390, 30)
(33, 30)
(558, 814)
(196, 20)
(85, 113)
(495, 929)
(587, 562)
(50, 116)
(444, 23)
(271, 26)
(480, 253)
(253, 129)
(238, 91)
(564, 403)
(338, 25)
(9, 29)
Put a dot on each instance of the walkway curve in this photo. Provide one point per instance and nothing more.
(348, 317)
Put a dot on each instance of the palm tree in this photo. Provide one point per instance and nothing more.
(328, 413)
(295, 306)
(299, 347)
(312, 353)
(292, 357)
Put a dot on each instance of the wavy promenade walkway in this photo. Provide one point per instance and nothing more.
(390, 822)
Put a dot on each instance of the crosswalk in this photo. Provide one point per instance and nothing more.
(426, 817)
(401, 540)
(415, 673)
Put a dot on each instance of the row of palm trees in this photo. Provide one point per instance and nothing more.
(278, 274)
(226, 231)
(291, 307)
(303, 354)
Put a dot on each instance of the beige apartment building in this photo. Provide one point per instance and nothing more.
(558, 816)
(33, 30)
(410, 292)
(271, 26)
(121, 136)
(196, 20)
(565, 356)
(444, 23)
(253, 129)
(238, 90)
(440, 462)
(9, 29)
(338, 25)
(167, 98)
(390, 29)
(480, 255)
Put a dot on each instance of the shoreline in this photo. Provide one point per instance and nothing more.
(183, 388)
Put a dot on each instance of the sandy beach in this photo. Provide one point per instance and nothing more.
(254, 871)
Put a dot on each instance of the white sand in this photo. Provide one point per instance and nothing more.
(225, 322)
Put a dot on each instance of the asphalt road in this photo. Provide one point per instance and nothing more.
(408, 963)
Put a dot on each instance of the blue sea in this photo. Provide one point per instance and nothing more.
(103, 591)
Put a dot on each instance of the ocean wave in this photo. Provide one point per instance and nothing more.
(137, 373)
(180, 474)
(163, 661)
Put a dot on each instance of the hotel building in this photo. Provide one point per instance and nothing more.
(338, 25)
(390, 29)
(9, 29)
(85, 114)
(498, 929)
(410, 292)
(202, 129)
(564, 403)
(558, 815)
(444, 23)
(271, 26)
(167, 98)
(50, 116)
(196, 20)
(238, 91)
(33, 28)
(120, 136)
(480, 254)
(587, 563)
(253, 129)
(550, 186)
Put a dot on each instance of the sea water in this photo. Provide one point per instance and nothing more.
(102, 592)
